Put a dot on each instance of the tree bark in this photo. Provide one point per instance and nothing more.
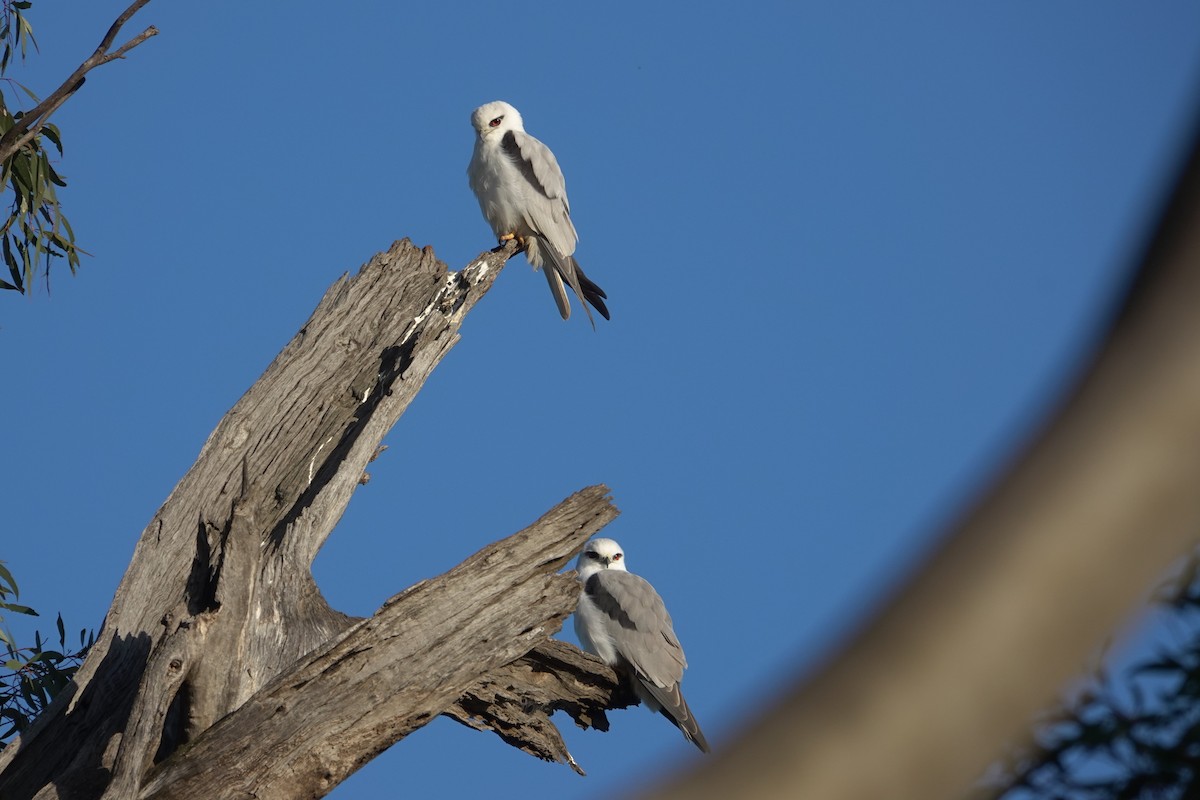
(221, 671)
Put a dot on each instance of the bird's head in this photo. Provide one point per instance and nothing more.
(495, 119)
(600, 554)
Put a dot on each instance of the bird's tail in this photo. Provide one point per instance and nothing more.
(591, 292)
(560, 268)
(670, 704)
(558, 289)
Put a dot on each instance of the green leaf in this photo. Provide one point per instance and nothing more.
(16, 609)
(26, 33)
(55, 178)
(25, 88)
(14, 269)
(50, 131)
(22, 172)
(7, 578)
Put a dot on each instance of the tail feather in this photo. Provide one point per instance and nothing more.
(558, 290)
(670, 704)
(560, 268)
(591, 292)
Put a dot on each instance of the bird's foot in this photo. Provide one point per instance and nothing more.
(511, 237)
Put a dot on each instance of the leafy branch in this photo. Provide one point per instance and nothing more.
(30, 677)
(27, 127)
(36, 230)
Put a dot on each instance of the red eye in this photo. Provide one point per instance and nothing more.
(495, 122)
(617, 557)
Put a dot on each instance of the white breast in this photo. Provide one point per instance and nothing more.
(591, 626)
(498, 187)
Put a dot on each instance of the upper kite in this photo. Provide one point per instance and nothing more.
(523, 195)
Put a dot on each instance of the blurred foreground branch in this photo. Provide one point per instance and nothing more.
(1028, 585)
(1123, 733)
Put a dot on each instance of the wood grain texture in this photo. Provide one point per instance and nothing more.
(516, 700)
(219, 651)
(391, 674)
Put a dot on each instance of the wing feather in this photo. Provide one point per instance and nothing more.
(537, 163)
(639, 625)
(637, 622)
(545, 208)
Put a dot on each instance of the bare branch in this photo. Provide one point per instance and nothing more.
(310, 728)
(515, 702)
(230, 551)
(111, 35)
(30, 124)
(132, 43)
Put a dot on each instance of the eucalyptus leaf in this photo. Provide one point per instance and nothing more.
(7, 579)
(19, 609)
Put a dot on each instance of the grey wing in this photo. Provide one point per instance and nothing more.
(639, 625)
(546, 209)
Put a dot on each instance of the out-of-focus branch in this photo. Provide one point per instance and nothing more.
(1032, 580)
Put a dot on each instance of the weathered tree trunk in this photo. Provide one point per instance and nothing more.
(221, 666)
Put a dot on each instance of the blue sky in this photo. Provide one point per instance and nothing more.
(853, 254)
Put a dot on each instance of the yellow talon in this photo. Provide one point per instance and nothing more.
(508, 237)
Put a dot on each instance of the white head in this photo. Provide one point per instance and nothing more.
(495, 119)
(600, 554)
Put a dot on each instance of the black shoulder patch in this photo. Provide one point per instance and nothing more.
(607, 603)
(511, 149)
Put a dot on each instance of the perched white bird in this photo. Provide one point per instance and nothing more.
(623, 620)
(523, 195)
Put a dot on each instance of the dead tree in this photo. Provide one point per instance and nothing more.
(221, 672)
